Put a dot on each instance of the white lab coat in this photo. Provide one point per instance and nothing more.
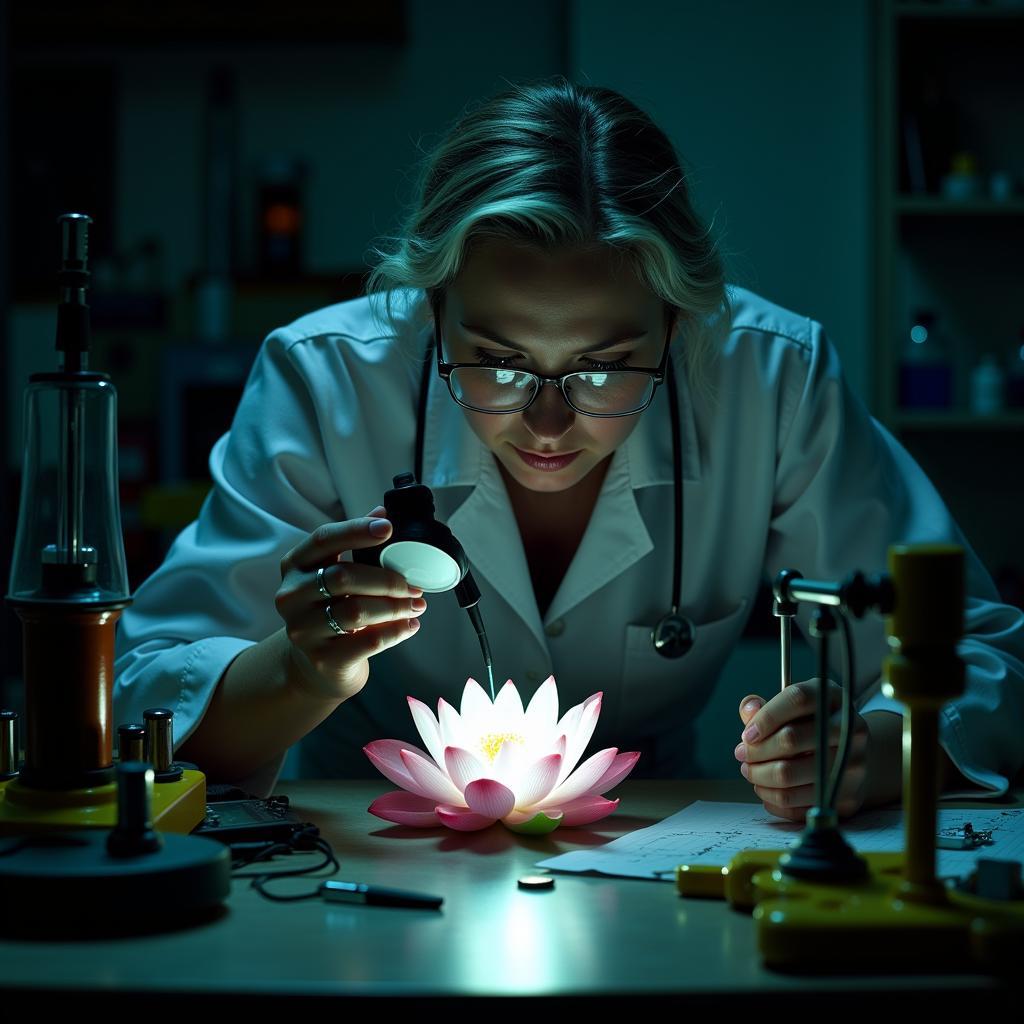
(782, 467)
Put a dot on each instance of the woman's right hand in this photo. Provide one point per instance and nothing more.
(375, 607)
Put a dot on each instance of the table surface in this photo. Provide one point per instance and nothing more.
(591, 937)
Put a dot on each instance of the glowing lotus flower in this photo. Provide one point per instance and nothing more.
(496, 762)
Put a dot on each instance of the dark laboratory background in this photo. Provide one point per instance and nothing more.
(862, 162)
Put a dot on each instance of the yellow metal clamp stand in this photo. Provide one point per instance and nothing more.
(898, 915)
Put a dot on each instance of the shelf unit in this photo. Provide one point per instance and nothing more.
(948, 78)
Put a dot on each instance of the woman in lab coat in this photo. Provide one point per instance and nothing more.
(553, 234)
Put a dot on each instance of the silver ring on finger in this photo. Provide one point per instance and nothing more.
(321, 586)
(330, 621)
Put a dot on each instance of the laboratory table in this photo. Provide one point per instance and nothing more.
(591, 943)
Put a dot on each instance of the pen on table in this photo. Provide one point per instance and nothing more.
(360, 892)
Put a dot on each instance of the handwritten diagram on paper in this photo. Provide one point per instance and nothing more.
(712, 833)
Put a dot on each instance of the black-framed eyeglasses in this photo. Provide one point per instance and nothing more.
(504, 389)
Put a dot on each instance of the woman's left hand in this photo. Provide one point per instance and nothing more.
(777, 751)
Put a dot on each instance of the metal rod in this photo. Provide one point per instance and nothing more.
(821, 756)
(786, 641)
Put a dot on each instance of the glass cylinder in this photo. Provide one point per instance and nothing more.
(69, 546)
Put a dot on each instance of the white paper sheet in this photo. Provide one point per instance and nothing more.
(712, 833)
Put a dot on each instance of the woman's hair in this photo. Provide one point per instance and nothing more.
(556, 164)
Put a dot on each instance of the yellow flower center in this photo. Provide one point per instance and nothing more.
(491, 742)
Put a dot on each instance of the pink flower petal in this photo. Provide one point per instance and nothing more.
(581, 780)
(462, 820)
(462, 767)
(386, 758)
(538, 780)
(617, 771)
(426, 725)
(405, 809)
(489, 798)
(429, 780)
(585, 809)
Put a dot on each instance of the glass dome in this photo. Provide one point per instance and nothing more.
(68, 546)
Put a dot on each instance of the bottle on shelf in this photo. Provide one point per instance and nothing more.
(925, 372)
(987, 387)
(1015, 374)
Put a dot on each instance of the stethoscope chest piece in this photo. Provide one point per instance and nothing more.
(673, 636)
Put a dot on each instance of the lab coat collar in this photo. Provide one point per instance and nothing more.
(616, 536)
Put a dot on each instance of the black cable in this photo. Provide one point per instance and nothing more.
(302, 841)
(677, 494)
(846, 726)
(421, 411)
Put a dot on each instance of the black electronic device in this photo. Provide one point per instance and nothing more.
(251, 821)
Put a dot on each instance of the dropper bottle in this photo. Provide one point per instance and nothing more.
(426, 553)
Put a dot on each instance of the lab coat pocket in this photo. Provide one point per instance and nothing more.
(658, 692)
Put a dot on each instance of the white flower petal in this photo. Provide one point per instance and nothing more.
(463, 768)
(579, 737)
(542, 711)
(426, 725)
(508, 765)
(509, 706)
(453, 732)
(477, 709)
(580, 781)
(429, 780)
(538, 781)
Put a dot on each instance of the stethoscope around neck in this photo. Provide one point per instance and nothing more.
(673, 636)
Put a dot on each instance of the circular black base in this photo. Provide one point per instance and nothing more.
(823, 855)
(67, 883)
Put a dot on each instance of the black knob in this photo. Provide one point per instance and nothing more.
(134, 833)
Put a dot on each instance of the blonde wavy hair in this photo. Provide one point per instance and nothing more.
(556, 164)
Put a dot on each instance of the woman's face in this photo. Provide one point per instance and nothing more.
(553, 313)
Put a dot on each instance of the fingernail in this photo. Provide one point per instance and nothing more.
(414, 624)
(751, 706)
(379, 527)
(745, 772)
(750, 734)
(375, 511)
(741, 752)
(414, 591)
(418, 604)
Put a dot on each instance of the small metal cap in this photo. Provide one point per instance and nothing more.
(8, 744)
(131, 742)
(159, 746)
(536, 882)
